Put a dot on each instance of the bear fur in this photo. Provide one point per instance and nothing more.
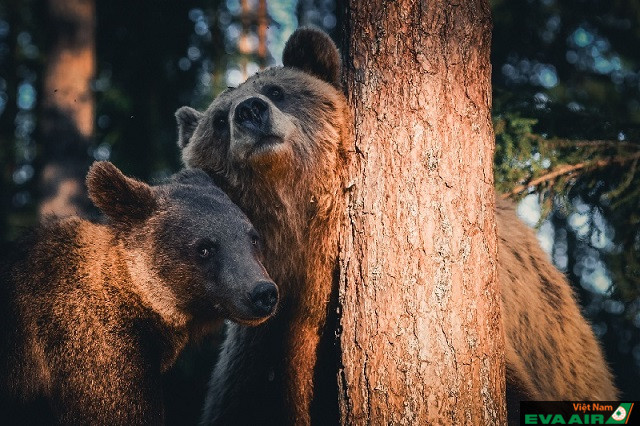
(93, 314)
(282, 159)
(551, 352)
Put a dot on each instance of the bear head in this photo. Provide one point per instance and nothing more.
(282, 126)
(192, 238)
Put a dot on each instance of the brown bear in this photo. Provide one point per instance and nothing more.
(276, 145)
(93, 314)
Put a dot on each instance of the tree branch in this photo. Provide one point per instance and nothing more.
(567, 169)
(590, 143)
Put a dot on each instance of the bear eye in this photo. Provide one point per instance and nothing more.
(255, 238)
(206, 249)
(275, 93)
(220, 122)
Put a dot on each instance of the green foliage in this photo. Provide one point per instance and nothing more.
(518, 157)
(552, 166)
(602, 173)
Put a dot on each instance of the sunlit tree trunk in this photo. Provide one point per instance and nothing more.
(263, 24)
(421, 335)
(244, 46)
(68, 106)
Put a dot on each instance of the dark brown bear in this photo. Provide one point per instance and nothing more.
(276, 145)
(93, 314)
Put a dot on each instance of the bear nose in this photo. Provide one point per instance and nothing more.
(253, 114)
(264, 298)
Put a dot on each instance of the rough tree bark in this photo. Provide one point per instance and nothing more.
(68, 106)
(421, 339)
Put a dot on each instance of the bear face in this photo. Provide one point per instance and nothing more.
(275, 126)
(188, 235)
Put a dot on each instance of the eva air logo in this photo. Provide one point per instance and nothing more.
(621, 414)
(578, 413)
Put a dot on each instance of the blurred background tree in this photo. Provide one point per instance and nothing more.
(66, 119)
(566, 81)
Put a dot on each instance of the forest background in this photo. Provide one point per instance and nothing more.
(566, 109)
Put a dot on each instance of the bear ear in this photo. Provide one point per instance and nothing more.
(188, 119)
(123, 199)
(313, 52)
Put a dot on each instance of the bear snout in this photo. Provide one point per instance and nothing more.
(264, 298)
(253, 114)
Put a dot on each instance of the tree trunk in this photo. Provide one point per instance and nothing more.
(244, 47)
(422, 339)
(68, 106)
(262, 27)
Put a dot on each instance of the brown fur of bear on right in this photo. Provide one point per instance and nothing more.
(276, 145)
(92, 314)
(551, 351)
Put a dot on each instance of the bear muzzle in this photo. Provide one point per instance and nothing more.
(258, 305)
(254, 130)
(253, 115)
(264, 298)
